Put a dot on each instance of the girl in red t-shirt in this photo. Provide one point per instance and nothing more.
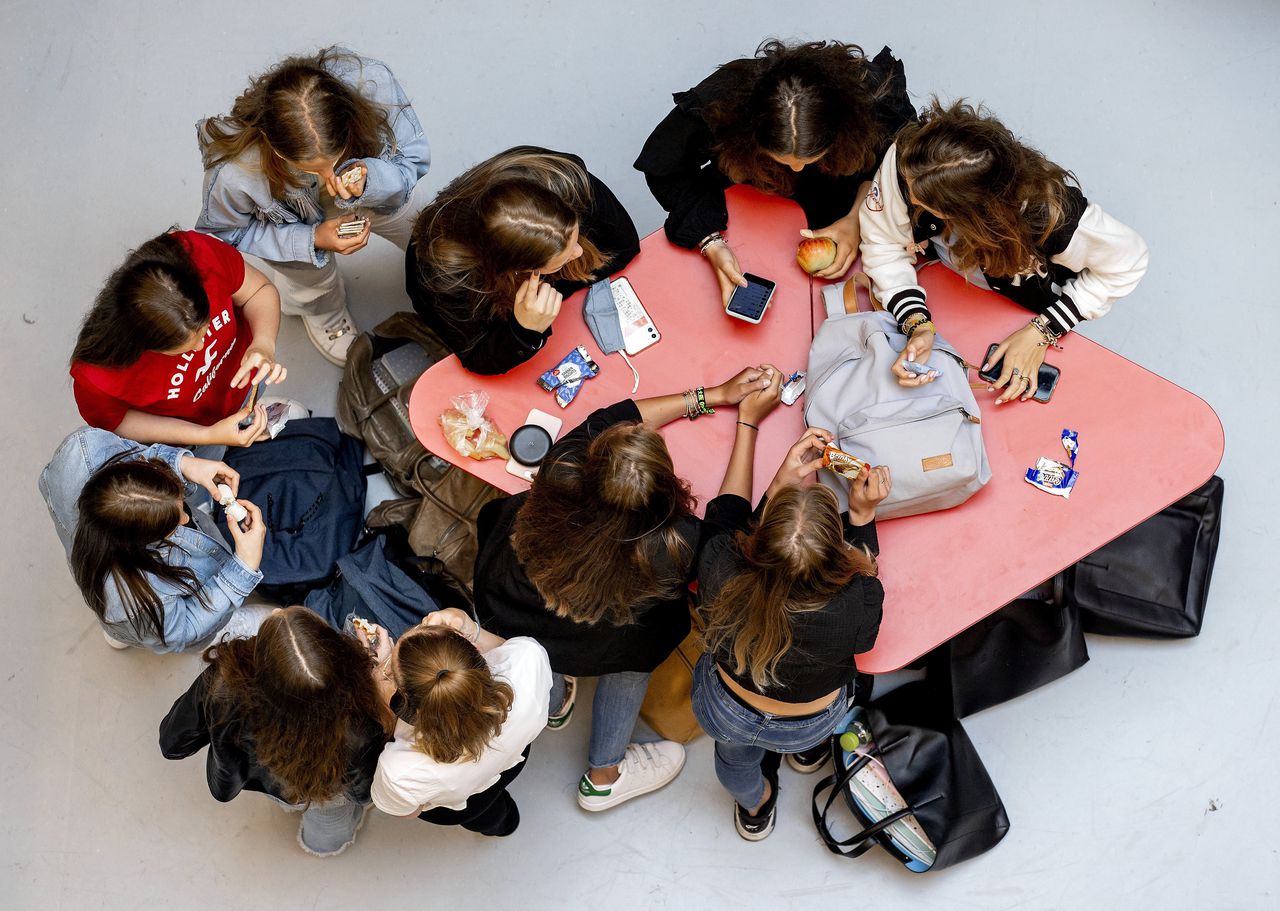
(174, 341)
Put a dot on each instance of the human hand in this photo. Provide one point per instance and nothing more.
(326, 236)
(249, 535)
(260, 358)
(537, 304)
(382, 651)
(759, 403)
(847, 233)
(866, 491)
(1023, 353)
(349, 184)
(802, 459)
(739, 386)
(728, 272)
(457, 620)
(228, 432)
(918, 349)
(209, 474)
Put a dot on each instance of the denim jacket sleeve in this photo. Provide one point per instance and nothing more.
(79, 456)
(393, 174)
(239, 210)
(189, 620)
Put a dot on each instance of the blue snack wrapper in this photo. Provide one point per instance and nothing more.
(569, 375)
(1053, 477)
(917, 369)
(1071, 443)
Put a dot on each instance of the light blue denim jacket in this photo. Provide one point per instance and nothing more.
(222, 578)
(238, 205)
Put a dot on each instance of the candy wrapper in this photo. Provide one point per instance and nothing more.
(842, 463)
(1053, 477)
(567, 378)
(793, 388)
(1071, 443)
(470, 431)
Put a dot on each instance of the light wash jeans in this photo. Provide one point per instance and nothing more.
(743, 735)
(614, 712)
(318, 291)
(329, 828)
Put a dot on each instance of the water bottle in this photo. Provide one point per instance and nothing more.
(855, 735)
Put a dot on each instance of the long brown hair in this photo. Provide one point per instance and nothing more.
(591, 531)
(1001, 199)
(794, 560)
(305, 693)
(301, 111)
(154, 301)
(126, 511)
(804, 100)
(456, 703)
(506, 217)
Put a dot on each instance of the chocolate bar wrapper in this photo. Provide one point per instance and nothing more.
(569, 375)
(1053, 477)
(843, 464)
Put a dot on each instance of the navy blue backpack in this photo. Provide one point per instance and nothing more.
(309, 483)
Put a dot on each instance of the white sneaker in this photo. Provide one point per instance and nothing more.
(115, 643)
(646, 767)
(332, 335)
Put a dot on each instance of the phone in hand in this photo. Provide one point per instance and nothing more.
(1046, 382)
(749, 303)
(254, 394)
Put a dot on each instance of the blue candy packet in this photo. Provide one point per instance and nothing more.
(569, 375)
(1053, 477)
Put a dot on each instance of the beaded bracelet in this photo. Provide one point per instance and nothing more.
(1041, 323)
(703, 408)
(695, 403)
(922, 324)
(715, 237)
(911, 322)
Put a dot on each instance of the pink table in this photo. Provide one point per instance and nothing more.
(1144, 442)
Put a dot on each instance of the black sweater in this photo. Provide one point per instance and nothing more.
(509, 605)
(824, 641)
(232, 765)
(677, 160)
(496, 344)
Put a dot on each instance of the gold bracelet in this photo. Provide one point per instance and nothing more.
(920, 325)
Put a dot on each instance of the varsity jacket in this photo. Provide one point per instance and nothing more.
(1090, 260)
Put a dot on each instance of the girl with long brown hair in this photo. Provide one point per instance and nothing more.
(469, 705)
(152, 566)
(806, 121)
(315, 142)
(959, 187)
(174, 342)
(789, 595)
(496, 252)
(594, 562)
(293, 713)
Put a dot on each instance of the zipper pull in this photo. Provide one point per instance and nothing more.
(972, 419)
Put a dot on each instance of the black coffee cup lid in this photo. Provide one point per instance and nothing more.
(530, 444)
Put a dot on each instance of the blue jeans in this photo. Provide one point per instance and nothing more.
(743, 735)
(327, 828)
(613, 714)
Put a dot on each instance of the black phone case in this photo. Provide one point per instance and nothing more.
(1046, 379)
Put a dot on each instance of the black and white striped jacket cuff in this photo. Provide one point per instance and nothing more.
(1063, 315)
(906, 303)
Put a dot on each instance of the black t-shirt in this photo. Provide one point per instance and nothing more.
(509, 605)
(232, 765)
(496, 344)
(824, 641)
(679, 166)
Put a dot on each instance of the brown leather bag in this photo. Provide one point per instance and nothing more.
(668, 703)
(441, 502)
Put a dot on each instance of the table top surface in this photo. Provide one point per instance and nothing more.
(1144, 442)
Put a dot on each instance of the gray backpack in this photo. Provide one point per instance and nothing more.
(929, 436)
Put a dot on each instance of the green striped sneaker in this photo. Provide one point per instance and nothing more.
(560, 720)
(647, 767)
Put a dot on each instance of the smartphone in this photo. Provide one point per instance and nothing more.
(1046, 382)
(749, 303)
(254, 394)
(638, 330)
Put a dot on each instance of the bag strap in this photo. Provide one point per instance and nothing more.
(863, 841)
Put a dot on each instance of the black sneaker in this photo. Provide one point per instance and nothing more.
(806, 762)
(758, 827)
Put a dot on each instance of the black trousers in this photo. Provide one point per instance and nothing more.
(491, 812)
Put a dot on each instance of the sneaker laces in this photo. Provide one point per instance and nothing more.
(338, 327)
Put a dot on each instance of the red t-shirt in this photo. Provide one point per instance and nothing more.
(195, 386)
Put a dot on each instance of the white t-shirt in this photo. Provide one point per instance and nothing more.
(408, 781)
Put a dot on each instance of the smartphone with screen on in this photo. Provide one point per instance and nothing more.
(1046, 382)
(749, 303)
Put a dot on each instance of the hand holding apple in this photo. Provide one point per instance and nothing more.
(816, 253)
(846, 235)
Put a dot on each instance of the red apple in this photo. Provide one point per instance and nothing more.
(815, 253)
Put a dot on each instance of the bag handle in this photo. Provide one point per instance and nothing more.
(864, 840)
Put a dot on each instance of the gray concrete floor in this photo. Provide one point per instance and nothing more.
(1147, 779)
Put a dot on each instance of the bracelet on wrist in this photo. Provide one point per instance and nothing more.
(715, 237)
(922, 325)
(752, 426)
(909, 325)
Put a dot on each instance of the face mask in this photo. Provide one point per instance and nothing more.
(601, 314)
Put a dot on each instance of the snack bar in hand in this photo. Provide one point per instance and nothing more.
(843, 464)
